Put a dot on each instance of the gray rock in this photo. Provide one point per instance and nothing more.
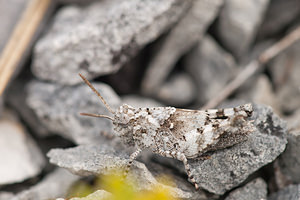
(279, 15)
(179, 90)
(261, 92)
(99, 39)
(291, 192)
(90, 159)
(229, 167)
(289, 161)
(239, 22)
(284, 70)
(102, 159)
(20, 157)
(140, 102)
(279, 180)
(255, 190)
(6, 195)
(99, 195)
(207, 62)
(180, 181)
(14, 97)
(55, 184)
(293, 121)
(58, 109)
(180, 40)
(9, 16)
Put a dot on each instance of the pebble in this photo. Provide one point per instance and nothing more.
(99, 38)
(238, 24)
(58, 108)
(187, 33)
(254, 190)
(208, 62)
(20, 156)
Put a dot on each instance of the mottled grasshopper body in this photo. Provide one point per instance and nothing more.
(178, 133)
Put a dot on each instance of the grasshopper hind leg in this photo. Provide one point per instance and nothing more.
(181, 157)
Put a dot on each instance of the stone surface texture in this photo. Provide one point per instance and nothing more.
(102, 159)
(208, 62)
(230, 167)
(6, 195)
(293, 121)
(289, 161)
(20, 156)
(109, 33)
(255, 190)
(276, 20)
(238, 24)
(58, 109)
(227, 168)
(15, 96)
(158, 170)
(55, 184)
(178, 91)
(292, 192)
(189, 30)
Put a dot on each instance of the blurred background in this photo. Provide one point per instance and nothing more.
(193, 54)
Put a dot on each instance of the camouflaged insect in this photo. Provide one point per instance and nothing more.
(178, 133)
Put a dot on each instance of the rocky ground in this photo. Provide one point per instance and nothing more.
(151, 53)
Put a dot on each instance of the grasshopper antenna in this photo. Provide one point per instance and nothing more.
(96, 115)
(99, 95)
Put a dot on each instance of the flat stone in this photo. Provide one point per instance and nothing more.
(289, 161)
(179, 90)
(292, 192)
(6, 195)
(293, 121)
(20, 157)
(102, 158)
(207, 62)
(54, 185)
(284, 70)
(255, 190)
(98, 39)
(58, 108)
(86, 160)
(275, 20)
(229, 167)
(14, 97)
(99, 195)
(238, 24)
(188, 31)
(159, 171)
